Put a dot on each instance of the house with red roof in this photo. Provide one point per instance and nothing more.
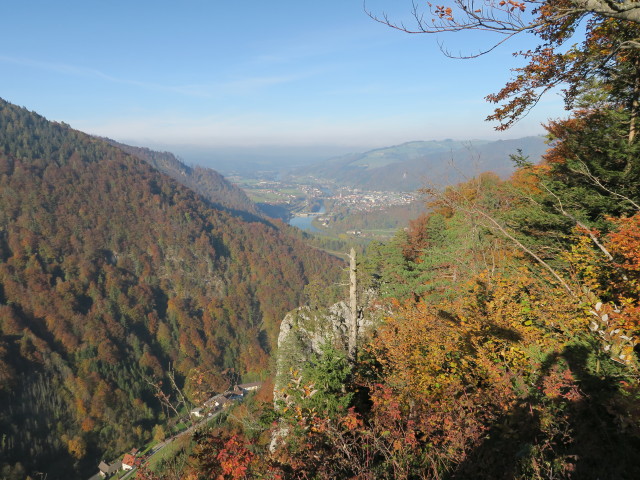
(129, 462)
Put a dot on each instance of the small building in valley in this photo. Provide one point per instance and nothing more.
(106, 469)
(222, 402)
(129, 462)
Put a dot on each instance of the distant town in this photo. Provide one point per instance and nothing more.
(301, 198)
(366, 201)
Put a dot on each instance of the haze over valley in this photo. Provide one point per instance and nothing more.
(373, 193)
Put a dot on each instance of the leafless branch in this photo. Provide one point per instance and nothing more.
(596, 181)
(493, 224)
(165, 400)
(560, 208)
(169, 405)
(507, 18)
(182, 400)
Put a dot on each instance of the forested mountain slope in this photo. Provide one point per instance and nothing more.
(510, 347)
(109, 272)
(205, 181)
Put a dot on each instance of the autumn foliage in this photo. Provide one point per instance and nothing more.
(110, 274)
(512, 327)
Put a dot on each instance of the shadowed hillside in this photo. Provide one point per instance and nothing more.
(207, 182)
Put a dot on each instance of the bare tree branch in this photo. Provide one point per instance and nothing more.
(505, 17)
(596, 181)
(560, 208)
(493, 224)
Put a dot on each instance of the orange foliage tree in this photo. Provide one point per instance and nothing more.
(609, 49)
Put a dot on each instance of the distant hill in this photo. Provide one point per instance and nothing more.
(207, 182)
(111, 273)
(410, 166)
(266, 162)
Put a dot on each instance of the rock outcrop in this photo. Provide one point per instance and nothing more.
(303, 331)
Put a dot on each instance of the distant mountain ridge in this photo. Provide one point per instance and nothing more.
(409, 166)
(207, 182)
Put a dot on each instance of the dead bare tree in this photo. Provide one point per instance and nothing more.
(353, 307)
(166, 401)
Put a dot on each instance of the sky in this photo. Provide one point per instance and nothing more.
(225, 73)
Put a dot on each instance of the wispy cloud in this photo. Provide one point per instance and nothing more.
(56, 67)
(78, 71)
(240, 85)
(253, 83)
(318, 44)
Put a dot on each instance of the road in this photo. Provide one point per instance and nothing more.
(158, 447)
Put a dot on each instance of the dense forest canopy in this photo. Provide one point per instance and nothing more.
(507, 349)
(110, 273)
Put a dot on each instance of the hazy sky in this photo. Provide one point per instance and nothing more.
(227, 72)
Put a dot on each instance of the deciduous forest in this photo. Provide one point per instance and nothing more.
(112, 275)
(507, 348)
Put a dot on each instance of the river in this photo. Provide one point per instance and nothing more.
(305, 222)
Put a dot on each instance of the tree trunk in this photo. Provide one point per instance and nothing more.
(353, 307)
(635, 102)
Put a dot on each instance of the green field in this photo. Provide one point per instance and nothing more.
(170, 451)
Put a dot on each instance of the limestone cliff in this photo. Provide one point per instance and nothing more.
(304, 330)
